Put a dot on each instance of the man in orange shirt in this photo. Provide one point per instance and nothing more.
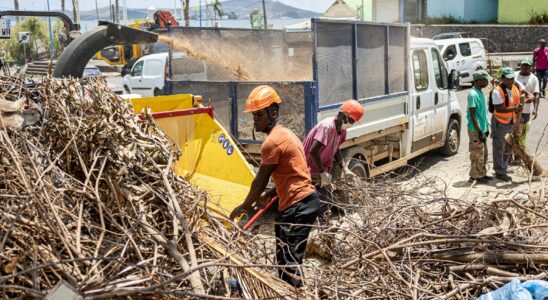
(282, 157)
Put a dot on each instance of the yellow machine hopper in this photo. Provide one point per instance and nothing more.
(210, 158)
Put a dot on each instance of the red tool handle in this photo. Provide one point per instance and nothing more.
(260, 213)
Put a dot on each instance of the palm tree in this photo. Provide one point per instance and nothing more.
(217, 9)
(186, 12)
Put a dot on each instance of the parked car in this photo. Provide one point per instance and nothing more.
(91, 71)
(465, 55)
(451, 35)
(149, 73)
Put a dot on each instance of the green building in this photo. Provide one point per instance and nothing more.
(520, 11)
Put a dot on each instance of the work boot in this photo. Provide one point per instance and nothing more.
(488, 178)
(480, 180)
(504, 177)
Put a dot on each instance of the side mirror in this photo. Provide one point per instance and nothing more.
(454, 80)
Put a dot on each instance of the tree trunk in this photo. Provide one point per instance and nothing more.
(187, 13)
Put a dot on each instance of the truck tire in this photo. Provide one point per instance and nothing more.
(358, 168)
(126, 88)
(452, 139)
(158, 92)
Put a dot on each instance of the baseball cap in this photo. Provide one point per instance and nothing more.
(481, 74)
(526, 61)
(507, 72)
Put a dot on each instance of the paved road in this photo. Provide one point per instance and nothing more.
(454, 170)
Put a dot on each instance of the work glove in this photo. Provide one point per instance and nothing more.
(325, 179)
(482, 137)
(347, 174)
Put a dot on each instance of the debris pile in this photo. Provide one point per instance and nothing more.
(89, 197)
(405, 241)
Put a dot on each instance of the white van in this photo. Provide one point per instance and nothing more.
(149, 73)
(464, 55)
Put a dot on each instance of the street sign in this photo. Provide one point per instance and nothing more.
(5, 28)
(24, 37)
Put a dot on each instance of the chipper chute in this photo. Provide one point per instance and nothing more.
(210, 158)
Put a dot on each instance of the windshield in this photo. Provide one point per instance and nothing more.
(91, 72)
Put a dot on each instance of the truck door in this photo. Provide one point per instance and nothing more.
(450, 57)
(136, 78)
(153, 76)
(441, 95)
(466, 60)
(423, 102)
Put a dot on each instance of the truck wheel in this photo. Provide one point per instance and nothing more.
(157, 92)
(452, 140)
(126, 88)
(358, 168)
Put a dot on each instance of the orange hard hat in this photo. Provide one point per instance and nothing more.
(261, 97)
(353, 109)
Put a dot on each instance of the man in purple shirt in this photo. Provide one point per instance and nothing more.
(321, 148)
(540, 62)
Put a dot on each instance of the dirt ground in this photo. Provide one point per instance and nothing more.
(454, 170)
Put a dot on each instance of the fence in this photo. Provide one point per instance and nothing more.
(359, 60)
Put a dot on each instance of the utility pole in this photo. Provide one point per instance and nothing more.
(16, 7)
(117, 11)
(51, 50)
(175, 9)
(97, 10)
(264, 15)
(125, 12)
(76, 13)
(111, 18)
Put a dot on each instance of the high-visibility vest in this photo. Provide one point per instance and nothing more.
(508, 117)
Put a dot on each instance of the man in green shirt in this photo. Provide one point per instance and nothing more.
(478, 128)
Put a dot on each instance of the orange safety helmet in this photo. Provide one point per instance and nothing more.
(261, 97)
(353, 109)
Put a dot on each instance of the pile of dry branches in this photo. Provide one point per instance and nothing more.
(89, 197)
(408, 240)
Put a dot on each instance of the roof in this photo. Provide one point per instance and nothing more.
(420, 42)
(340, 9)
(456, 40)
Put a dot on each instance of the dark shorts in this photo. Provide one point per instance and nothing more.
(542, 74)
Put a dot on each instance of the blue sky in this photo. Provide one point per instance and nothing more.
(313, 5)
